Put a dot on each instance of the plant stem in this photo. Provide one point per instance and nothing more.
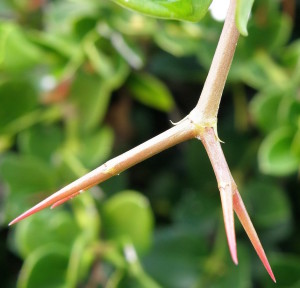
(204, 115)
(207, 107)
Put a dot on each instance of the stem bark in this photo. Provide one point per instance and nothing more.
(207, 107)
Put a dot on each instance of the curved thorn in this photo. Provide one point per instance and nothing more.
(244, 218)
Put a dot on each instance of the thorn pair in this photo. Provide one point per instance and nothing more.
(230, 197)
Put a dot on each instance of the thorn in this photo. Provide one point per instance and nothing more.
(55, 200)
(216, 132)
(227, 205)
(244, 218)
(180, 121)
(31, 211)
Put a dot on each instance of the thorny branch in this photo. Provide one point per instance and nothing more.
(201, 123)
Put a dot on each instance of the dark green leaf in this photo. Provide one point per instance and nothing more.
(264, 108)
(175, 256)
(268, 206)
(286, 268)
(45, 267)
(16, 99)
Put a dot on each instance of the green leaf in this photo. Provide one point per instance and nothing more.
(41, 141)
(242, 14)
(90, 109)
(291, 54)
(45, 267)
(47, 227)
(61, 16)
(264, 108)
(96, 148)
(290, 110)
(179, 40)
(26, 173)
(27, 178)
(80, 261)
(175, 257)
(190, 10)
(220, 273)
(16, 99)
(128, 214)
(87, 216)
(275, 154)
(6, 141)
(286, 268)
(109, 65)
(269, 205)
(150, 91)
(17, 53)
(129, 24)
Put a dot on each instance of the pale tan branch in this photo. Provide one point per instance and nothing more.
(207, 107)
(183, 131)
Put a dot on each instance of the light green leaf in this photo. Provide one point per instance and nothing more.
(17, 52)
(27, 178)
(179, 40)
(190, 10)
(45, 228)
(41, 141)
(96, 148)
(27, 174)
(150, 91)
(276, 155)
(128, 214)
(242, 14)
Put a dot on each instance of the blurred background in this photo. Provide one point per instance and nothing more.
(82, 81)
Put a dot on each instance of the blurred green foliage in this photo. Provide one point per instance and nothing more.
(83, 80)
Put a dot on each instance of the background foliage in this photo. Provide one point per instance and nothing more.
(82, 81)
